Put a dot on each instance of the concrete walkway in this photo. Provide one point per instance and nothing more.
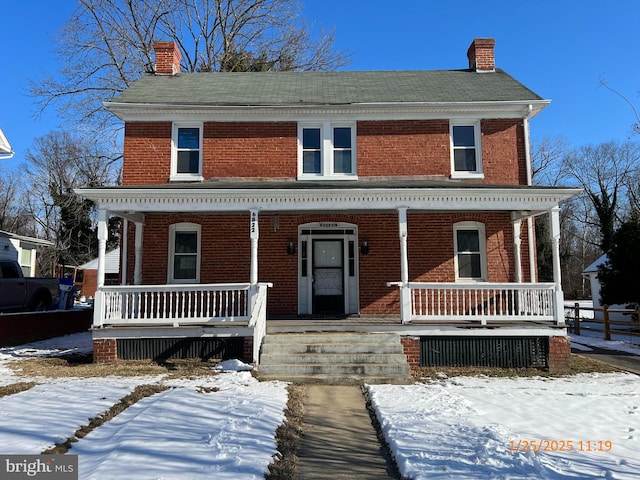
(338, 439)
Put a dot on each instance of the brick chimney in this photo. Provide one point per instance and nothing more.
(481, 56)
(168, 58)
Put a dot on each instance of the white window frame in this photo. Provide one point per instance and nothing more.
(327, 151)
(177, 228)
(477, 137)
(482, 244)
(182, 177)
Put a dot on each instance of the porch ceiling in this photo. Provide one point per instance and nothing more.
(308, 196)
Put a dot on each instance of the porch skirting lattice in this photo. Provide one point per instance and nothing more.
(161, 349)
(501, 352)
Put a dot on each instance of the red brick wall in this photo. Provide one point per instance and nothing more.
(559, 355)
(226, 249)
(105, 350)
(410, 147)
(269, 150)
(250, 150)
(411, 346)
(147, 153)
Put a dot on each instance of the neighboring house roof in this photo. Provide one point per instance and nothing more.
(35, 242)
(593, 268)
(365, 89)
(111, 262)
(5, 147)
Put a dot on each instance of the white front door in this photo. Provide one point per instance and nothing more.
(328, 276)
(328, 273)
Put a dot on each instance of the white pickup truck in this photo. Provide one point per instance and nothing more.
(19, 293)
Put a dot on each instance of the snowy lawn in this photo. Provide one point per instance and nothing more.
(221, 426)
(581, 427)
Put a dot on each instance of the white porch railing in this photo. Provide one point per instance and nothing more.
(258, 319)
(480, 302)
(172, 304)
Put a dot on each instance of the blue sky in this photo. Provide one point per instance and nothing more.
(558, 48)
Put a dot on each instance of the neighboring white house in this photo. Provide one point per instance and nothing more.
(88, 285)
(591, 272)
(22, 249)
(5, 147)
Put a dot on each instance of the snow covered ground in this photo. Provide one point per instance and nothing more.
(223, 426)
(581, 427)
(220, 427)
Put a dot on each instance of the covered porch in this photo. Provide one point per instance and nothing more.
(140, 304)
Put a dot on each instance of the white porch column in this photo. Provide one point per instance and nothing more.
(554, 228)
(255, 235)
(532, 250)
(124, 251)
(405, 291)
(517, 241)
(137, 268)
(103, 234)
(404, 256)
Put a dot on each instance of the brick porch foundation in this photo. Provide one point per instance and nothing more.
(105, 350)
(559, 355)
(411, 346)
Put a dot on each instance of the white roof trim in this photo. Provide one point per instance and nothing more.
(34, 241)
(210, 200)
(364, 111)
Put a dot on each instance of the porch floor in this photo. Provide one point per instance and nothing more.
(391, 323)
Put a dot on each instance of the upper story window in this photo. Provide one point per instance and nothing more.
(326, 150)
(184, 253)
(466, 152)
(186, 152)
(470, 251)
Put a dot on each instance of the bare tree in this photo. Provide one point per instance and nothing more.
(547, 161)
(635, 127)
(107, 44)
(604, 172)
(58, 163)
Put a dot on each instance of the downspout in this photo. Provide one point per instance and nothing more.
(530, 224)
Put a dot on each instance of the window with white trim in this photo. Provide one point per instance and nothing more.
(184, 253)
(466, 151)
(186, 152)
(326, 150)
(470, 251)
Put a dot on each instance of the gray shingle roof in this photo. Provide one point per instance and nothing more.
(326, 88)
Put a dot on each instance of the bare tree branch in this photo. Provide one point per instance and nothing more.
(107, 44)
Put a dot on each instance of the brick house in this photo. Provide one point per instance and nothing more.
(391, 201)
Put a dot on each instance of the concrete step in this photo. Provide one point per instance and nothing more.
(331, 348)
(344, 357)
(331, 338)
(335, 369)
(341, 379)
(281, 358)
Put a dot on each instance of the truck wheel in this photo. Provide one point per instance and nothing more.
(40, 302)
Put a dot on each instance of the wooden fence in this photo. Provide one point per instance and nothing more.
(577, 321)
